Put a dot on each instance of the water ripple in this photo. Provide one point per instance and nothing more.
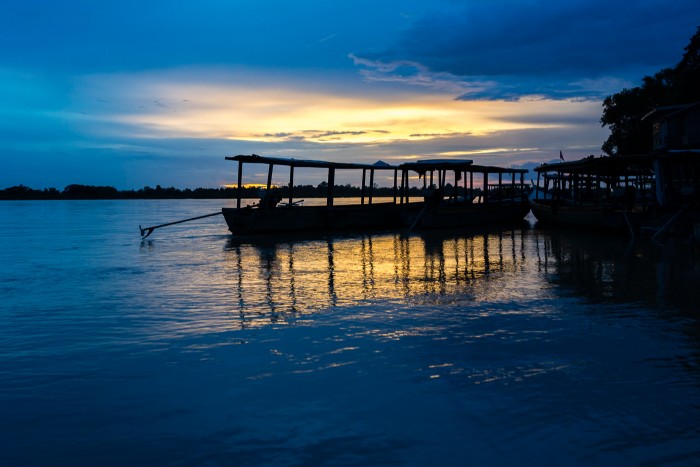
(487, 347)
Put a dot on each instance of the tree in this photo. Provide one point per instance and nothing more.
(623, 114)
(689, 71)
(623, 111)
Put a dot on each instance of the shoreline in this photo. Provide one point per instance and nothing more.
(90, 192)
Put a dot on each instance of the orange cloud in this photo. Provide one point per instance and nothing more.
(243, 108)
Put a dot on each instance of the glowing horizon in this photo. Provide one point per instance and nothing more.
(156, 106)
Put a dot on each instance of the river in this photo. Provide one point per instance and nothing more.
(505, 346)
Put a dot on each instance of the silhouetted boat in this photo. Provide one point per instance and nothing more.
(273, 215)
(653, 192)
(609, 193)
(465, 205)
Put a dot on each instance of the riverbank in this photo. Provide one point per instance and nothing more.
(91, 192)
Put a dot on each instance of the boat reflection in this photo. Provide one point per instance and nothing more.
(609, 269)
(284, 282)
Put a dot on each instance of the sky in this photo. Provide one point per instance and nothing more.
(132, 93)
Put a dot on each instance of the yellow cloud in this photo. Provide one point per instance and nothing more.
(165, 106)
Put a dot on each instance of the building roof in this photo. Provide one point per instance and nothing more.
(599, 165)
(669, 111)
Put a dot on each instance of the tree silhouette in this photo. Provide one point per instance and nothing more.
(623, 111)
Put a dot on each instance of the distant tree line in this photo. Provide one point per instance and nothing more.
(21, 192)
(623, 111)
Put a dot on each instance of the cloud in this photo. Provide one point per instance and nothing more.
(486, 88)
(321, 136)
(181, 122)
(249, 106)
(91, 90)
(414, 74)
(560, 50)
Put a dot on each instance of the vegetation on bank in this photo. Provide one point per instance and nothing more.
(21, 192)
(623, 112)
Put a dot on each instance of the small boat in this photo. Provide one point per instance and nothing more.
(499, 195)
(272, 215)
(606, 193)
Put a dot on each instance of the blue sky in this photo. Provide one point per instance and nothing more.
(133, 93)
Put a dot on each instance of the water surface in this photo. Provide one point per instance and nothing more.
(493, 347)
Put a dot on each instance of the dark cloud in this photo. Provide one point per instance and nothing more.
(437, 135)
(320, 135)
(332, 134)
(540, 118)
(280, 135)
(555, 49)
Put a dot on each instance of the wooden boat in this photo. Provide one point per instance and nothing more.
(271, 215)
(443, 205)
(464, 205)
(608, 193)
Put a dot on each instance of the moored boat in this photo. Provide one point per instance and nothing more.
(273, 215)
(480, 194)
(608, 193)
(474, 203)
(652, 193)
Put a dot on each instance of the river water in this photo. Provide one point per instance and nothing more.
(517, 346)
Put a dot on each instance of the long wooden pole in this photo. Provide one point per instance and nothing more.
(146, 231)
(291, 185)
(331, 186)
(362, 197)
(239, 191)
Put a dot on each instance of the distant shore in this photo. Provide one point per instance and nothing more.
(73, 192)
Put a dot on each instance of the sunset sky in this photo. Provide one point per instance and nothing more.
(135, 93)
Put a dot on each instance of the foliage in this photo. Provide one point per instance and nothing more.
(21, 192)
(623, 112)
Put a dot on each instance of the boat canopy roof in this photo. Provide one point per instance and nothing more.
(255, 159)
(421, 166)
(458, 165)
(599, 165)
(495, 170)
(437, 164)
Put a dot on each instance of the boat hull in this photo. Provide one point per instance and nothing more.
(464, 215)
(253, 221)
(383, 216)
(597, 217)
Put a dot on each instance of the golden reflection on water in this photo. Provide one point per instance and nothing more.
(280, 282)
